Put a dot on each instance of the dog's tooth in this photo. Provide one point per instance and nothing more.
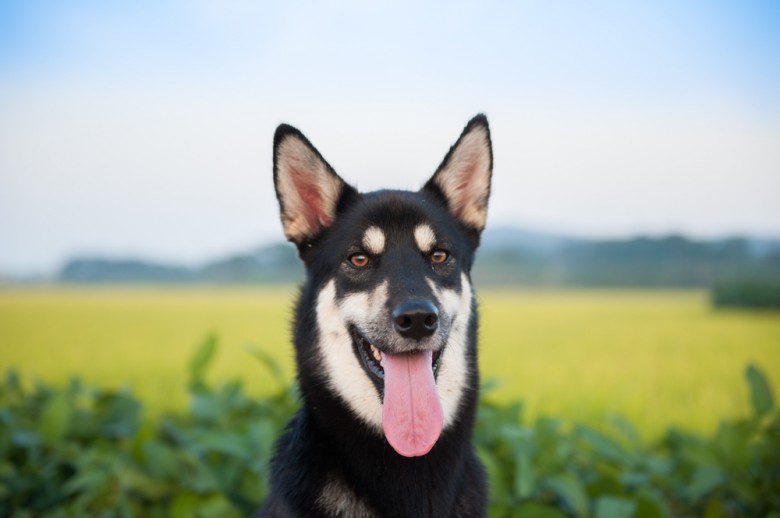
(376, 353)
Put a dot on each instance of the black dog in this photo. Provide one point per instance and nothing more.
(385, 338)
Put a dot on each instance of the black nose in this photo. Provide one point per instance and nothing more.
(415, 319)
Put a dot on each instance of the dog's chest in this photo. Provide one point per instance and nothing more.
(338, 500)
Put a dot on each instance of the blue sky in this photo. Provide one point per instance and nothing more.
(144, 128)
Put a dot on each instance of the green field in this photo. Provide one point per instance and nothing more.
(659, 358)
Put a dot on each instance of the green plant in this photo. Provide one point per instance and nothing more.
(82, 451)
(542, 470)
(754, 294)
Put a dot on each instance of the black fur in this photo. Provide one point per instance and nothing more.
(325, 443)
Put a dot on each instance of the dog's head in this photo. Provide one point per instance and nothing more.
(390, 269)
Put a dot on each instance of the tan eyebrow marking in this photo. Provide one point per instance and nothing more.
(424, 237)
(374, 240)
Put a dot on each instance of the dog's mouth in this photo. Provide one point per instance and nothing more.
(371, 357)
(412, 415)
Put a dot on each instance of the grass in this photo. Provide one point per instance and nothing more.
(142, 336)
(659, 358)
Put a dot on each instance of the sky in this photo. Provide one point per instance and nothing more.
(144, 128)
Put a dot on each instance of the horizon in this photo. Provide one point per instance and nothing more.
(97, 255)
(145, 130)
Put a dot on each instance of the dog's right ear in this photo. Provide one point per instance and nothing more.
(308, 189)
(463, 178)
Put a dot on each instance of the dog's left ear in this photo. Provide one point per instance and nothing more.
(463, 178)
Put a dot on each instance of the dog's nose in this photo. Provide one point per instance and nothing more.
(415, 319)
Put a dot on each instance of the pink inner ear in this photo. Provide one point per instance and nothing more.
(311, 201)
(463, 187)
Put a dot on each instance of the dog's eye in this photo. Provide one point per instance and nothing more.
(358, 260)
(439, 256)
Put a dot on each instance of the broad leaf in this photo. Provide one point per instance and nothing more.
(200, 361)
(570, 490)
(760, 391)
(614, 507)
(534, 510)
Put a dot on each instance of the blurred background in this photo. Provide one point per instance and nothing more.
(628, 278)
(135, 129)
(637, 170)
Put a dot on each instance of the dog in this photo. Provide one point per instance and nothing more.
(385, 338)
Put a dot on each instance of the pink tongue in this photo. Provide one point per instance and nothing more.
(412, 416)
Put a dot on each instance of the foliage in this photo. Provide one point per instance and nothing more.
(654, 357)
(747, 294)
(671, 261)
(274, 264)
(81, 451)
(542, 470)
(88, 452)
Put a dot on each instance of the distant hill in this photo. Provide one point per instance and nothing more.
(277, 263)
(96, 269)
(498, 238)
(507, 256)
(672, 261)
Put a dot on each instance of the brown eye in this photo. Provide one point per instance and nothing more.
(358, 260)
(439, 256)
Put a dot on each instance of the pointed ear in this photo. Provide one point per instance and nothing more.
(463, 178)
(307, 187)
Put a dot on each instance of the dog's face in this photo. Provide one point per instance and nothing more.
(394, 304)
